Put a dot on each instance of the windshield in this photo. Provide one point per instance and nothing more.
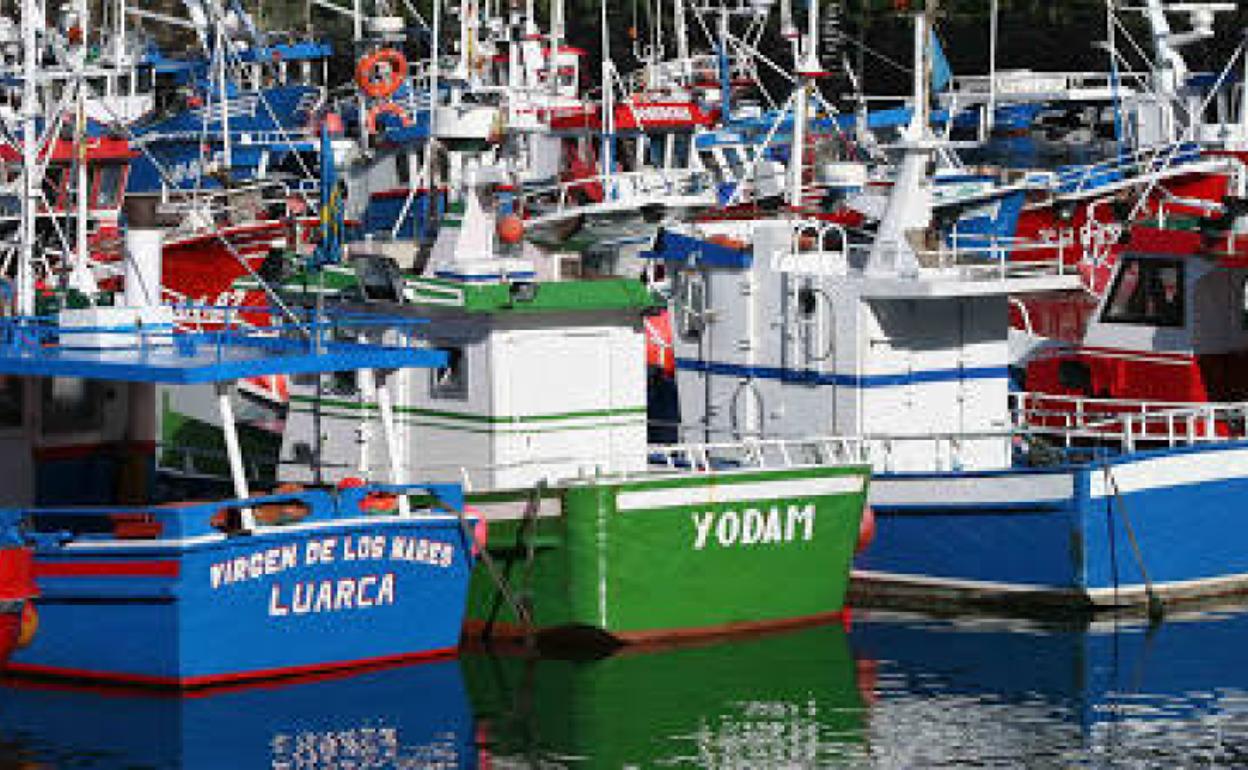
(1147, 291)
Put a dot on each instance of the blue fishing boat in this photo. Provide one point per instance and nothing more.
(802, 339)
(152, 583)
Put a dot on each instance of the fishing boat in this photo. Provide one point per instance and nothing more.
(903, 344)
(143, 583)
(540, 412)
(144, 578)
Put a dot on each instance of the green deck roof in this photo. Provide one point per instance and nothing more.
(538, 297)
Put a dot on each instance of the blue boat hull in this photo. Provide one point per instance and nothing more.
(283, 601)
(1063, 537)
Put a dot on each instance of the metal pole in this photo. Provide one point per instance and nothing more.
(990, 119)
(385, 406)
(234, 452)
(31, 20)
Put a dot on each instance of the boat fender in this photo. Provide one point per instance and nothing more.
(380, 81)
(480, 530)
(29, 626)
(866, 530)
(276, 514)
(386, 108)
(380, 502)
(375, 502)
(510, 229)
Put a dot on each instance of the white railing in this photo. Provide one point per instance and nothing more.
(1025, 85)
(1125, 169)
(624, 189)
(759, 453)
(1128, 422)
(990, 262)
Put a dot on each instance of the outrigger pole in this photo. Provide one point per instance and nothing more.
(31, 17)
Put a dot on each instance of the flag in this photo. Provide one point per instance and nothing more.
(941, 74)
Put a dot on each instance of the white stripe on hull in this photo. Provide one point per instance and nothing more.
(925, 588)
(1172, 471)
(977, 491)
(716, 492)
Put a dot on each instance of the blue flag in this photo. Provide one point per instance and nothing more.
(941, 74)
(329, 249)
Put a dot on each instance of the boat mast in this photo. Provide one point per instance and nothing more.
(608, 106)
(31, 15)
(80, 137)
(990, 119)
(909, 206)
(807, 71)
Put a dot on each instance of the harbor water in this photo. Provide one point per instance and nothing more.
(882, 690)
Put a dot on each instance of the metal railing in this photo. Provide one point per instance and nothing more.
(759, 453)
(1129, 423)
(621, 189)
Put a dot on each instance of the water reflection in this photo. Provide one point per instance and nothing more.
(1116, 693)
(788, 700)
(408, 717)
(893, 691)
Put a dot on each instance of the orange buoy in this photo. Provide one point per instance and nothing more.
(866, 530)
(386, 108)
(727, 241)
(381, 73)
(30, 625)
(510, 229)
(480, 532)
(659, 352)
(333, 124)
(380, 502)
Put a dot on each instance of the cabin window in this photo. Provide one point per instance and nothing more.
(108, 186)
(682, 144)
(1147, 292)
(10, 402)
(403, 169)
(345, 383)
(451, 381)
(690, 291)
(71, 405)
(711, 163)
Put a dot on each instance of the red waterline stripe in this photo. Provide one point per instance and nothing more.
(225, 680)
(166, 568)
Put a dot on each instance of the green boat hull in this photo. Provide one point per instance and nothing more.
(673, 556)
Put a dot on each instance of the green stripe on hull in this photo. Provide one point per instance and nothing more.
(694, 552)
(356, 406)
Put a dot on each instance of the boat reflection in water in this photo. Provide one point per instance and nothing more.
(1116, 693)
(410, 716)
(894, 691)
(782, 700)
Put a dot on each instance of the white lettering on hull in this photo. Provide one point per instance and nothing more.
(310, 598)
(753, 526)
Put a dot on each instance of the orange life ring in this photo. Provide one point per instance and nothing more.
(388, 108)
(377, 82)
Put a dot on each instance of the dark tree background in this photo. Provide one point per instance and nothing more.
(1036, 34)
